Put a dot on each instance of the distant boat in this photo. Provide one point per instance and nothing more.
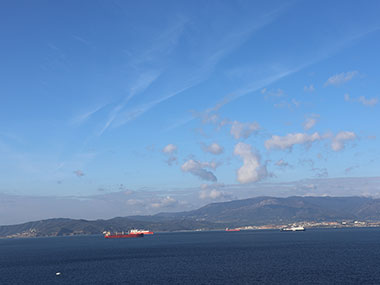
(232, 230)
(123, 235)
(293, 229)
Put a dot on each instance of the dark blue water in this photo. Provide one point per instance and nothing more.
(345, 256)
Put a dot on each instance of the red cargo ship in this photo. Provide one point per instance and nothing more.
(123, 235)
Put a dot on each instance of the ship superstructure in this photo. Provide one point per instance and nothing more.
(293, 229)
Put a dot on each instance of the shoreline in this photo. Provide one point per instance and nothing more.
(242, 229)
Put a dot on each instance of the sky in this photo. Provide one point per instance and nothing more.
(167, 100)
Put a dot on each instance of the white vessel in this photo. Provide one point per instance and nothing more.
(293, 229)
(145, 232)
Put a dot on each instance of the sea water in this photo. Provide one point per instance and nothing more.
(326, 256)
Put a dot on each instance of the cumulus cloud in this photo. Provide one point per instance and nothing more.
(213, 192)
(341, 78)
(309, 88)
(170, 148)
(288, 141)
(213, 148)
(243, 130)
(79, 173)
(198, 169)
(310, 122)
(170, 151)
(340, 139)
(251, 171)
(165, 202)
(210, 164)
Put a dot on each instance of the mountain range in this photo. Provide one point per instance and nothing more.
(253, 211)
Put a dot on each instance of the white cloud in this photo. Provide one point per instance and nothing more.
(170, 150)
(86, 115)
(210, 194)
(368, 102)
(212, 164)
(243, 130)
(288, 141)
(251, 171)
(143, 81)
(165, 202)
(273, 93)
(213, 192)
(213, 148)
(288, 104)
(341, 78)
(309, 88)
(338, 142)
(198, 169)
(363, 100)
(310, 122)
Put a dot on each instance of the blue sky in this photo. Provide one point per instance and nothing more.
(103, 96)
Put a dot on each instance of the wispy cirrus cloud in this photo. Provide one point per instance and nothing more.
(143, 81)
(310, 121)
(210, 113)
(80, 119)
(210, 58)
